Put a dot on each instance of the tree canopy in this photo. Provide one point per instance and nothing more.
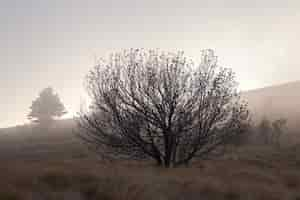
(152, 104)
(46, 107)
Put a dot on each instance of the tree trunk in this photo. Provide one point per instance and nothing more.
(159, 162)
(167, 163)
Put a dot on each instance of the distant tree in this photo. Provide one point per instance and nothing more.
(271, 131)
(148, 104)
(46, 107)
(278, 128)
(265, 131)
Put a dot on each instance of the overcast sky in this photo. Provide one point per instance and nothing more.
(55, 42)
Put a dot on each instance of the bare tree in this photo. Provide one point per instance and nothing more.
(151, 104)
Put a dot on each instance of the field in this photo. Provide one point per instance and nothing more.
(268, 176)
(56, 166)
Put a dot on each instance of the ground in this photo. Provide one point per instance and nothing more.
(38, 164)
(259, 173)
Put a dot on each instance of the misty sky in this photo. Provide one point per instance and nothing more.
(55, 42)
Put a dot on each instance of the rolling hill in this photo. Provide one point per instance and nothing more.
(58, 141)
(274, 102)
(32, 141)
(51, 163)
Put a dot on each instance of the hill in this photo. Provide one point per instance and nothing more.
(274, 102)
(58, 140)
(32, 141)
(51, 163)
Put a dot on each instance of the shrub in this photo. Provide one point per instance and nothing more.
(56, 180)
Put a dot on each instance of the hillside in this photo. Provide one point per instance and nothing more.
(51, 163)
(279, 101)
(33, 142)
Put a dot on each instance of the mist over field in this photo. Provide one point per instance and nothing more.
(142, 100)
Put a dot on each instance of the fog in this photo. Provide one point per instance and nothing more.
(55, 43)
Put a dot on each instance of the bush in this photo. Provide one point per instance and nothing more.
(56, 180)
(9, 195)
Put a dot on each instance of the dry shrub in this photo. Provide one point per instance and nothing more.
(261, 192)
(251, 177)
(113, 188)
(297, 197)
(87, 184)
(56, 180)
(107, 187)
(291, 180)
(232, 195)
(9, 195)
(89, 180)
(259, 162)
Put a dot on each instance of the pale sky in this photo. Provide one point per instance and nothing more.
(55, 42)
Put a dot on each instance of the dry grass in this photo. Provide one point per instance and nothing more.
(250, 177)
(42, 168)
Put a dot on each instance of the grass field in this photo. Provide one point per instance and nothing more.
(252, 174)
(53, 165)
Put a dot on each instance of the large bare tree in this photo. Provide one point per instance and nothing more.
(151, 104)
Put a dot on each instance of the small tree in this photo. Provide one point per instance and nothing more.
(148, 104)
(271, 131)
(278, 128)
(46, 107)
(265, 131)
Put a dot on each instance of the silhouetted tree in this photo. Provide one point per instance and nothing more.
(148, 104)
(265, 131)
(278, 128)
(46, 107)
(270, 131)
